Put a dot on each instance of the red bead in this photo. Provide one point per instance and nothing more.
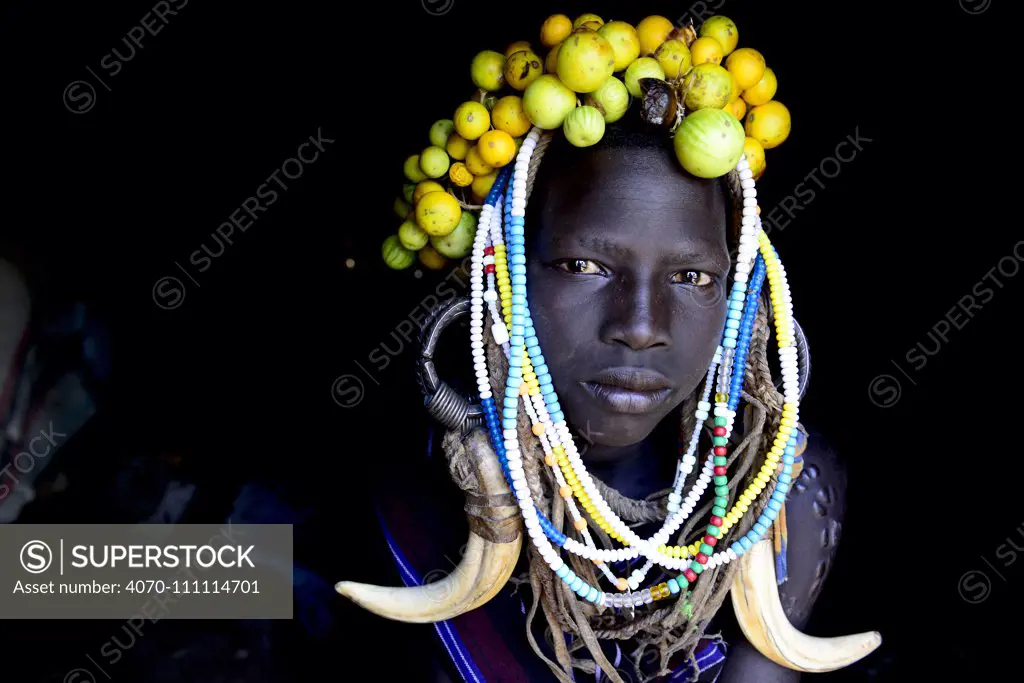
(710, 540)
(489, 268)
(719, 431)
(716, 521)
(702, 558)
(720, 450)
(489, 251)
(719, 469)
(690, 575)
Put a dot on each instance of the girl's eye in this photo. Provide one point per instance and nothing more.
(692, 277)
(580, 267)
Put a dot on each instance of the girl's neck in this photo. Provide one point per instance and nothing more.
(639, 469)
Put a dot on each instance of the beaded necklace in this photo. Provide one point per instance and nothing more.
(504, 266)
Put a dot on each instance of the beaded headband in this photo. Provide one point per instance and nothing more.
(683, 87)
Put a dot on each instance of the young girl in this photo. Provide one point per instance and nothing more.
(630, 426)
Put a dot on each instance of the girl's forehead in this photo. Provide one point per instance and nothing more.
(631, 191)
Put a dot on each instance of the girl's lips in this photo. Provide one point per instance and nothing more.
(629, 401)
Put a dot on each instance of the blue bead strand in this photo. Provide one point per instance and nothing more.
(521, 319)
(746, 328)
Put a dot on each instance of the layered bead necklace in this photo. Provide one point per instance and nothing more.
(498, 283)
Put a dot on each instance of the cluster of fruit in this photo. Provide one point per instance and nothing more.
(729, 110)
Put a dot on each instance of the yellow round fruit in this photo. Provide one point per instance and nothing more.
(425, 187)
(438, 213)
(747, 66)
(706, 51)
(551, 61)
(643, 67)
(412, 169)
(763, 91)
(412, 236)
(555, 29)
(431, 259)
(769, 124)
(722, 29)
(460, 175)
(736, 91)
(652, 32)
(508, 115)
(488, 70)
(497, 148)
(587, 18)
(476, 164)
(737, 108)
(754, 152)
(457, 147)
(674, 58)
(482, 184)
(707, 87)
(517, 46)
(472, 120)
(522, 68)
(624, 41)
(585, 61)
(395, 255)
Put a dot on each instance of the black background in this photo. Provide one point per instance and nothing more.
(238, 378)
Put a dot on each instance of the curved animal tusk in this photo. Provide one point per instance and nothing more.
(755, 599)
(483, 571)
(495, 540)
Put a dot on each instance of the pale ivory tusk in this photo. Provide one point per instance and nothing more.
(755, 599)
(484, 569)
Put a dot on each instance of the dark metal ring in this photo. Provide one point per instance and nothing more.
(804, 354)
(442, 402)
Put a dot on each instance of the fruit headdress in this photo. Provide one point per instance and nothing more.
(714, 98)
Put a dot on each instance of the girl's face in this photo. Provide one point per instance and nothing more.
(627, 267)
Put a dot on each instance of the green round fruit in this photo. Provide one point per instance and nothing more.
(585, 60)
(434, 161)
(709, 142)
(440, 131)
(644, 67)
(412, 236)
(611, 99)
(407, 191)
(584, 126)
(412, 169)
(488, 70)
(624, 41)
(459, 242)
(395, 255)
(723, 29)
(547, 101)
(402, 208)
(709, 86)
